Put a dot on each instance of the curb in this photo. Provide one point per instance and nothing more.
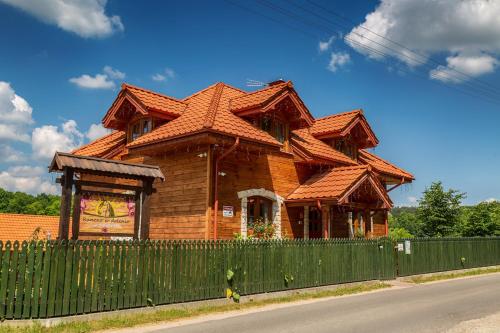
(50, 322)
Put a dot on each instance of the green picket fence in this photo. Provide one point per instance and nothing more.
(50, 279)
(429, 255)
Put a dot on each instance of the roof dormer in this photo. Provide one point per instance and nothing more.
(133, 102)
(349, 129)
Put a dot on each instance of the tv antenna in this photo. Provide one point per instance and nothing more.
(255, 83)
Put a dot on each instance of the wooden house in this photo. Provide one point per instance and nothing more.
(233, 158)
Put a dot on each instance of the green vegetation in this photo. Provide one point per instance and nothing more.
(445, 276)
(440, 214)
(22, 203)
(122, 321)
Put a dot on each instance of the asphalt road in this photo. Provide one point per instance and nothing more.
(434, 307)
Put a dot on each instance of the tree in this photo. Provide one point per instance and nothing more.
(23, 203)
(399, 233)
(480, 221)
(439, 210)
(409, 222)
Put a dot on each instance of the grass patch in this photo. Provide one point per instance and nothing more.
(445, 276)
(129, 320)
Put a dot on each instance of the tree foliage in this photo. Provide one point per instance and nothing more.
(440, 214)
(23, 203)
(439, 210)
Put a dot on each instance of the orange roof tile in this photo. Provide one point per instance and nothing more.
(338, 184)
(303, 140)
(335, 123)
(341, 124)
(258, 98)
(329, 184)
(156, 101)
(382, 166)
(21, 227)
(105, 147)
(207, 110)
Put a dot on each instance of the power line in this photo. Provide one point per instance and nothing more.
(433, 60)
(285, 12)
(493, 94)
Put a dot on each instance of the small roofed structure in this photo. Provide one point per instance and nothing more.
(107, 193)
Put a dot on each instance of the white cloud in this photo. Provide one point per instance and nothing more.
(491, 200)
(114, 73)
(466, 30)
(96, 131)
(99, 81)
(167, 74)
(48, 139)
(15, 115)
(337, 60)
(26, 179)
(11, 155)
(86, 18)
(102, 80)
(470, 65)
(158, 77)
(412, 200)
(325, 45)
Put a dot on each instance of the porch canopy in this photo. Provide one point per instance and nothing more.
(140, 183)
(354, 189)
(347, 186)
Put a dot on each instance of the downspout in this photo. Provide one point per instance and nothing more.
(216, 192)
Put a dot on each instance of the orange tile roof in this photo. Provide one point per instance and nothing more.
(382, 166)
(258, 98)
(303, 140)
(335, 123)
(156, 101)
(207, 110)
(21, 227)
(329, 184)
(338, 184)
(106, 147)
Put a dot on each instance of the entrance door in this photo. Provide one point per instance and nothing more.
(315, 222)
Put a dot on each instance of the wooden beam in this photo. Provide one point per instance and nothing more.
(76, 213)
(108, 185)
(146, 207)
(65, 212)
(325, 219)
(137, 216)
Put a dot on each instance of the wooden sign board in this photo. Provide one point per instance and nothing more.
(107, 214)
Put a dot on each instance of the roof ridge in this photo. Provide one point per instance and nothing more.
(284, 84)
(214, 105)
(200, 92)
(341, 114)
(124, 85)
(37, 215)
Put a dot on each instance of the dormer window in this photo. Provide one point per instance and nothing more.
(275, 127)
(140, 127)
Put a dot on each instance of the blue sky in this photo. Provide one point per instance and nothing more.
(424, 124)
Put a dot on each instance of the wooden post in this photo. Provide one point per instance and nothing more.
(146, 206)
(355, 221)
(371, 223)
(137, 216)
(386, 222)
(325, 218)
(65, 212)
(75, 229)
(306, 222)
(349, 222)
